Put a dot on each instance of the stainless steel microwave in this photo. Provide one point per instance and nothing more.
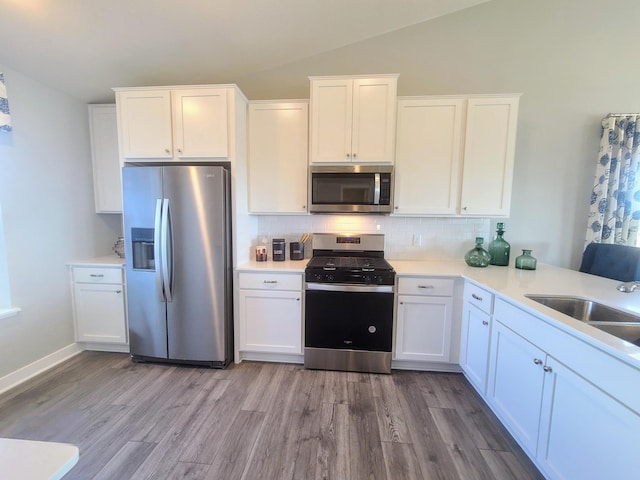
(351, 189)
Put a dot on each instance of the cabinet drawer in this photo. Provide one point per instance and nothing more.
(479, 297)
(432, 287)
(97, 275)
(271, 281)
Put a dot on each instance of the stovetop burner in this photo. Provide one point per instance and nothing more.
(352, 259)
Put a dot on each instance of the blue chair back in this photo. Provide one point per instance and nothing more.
(619, 262)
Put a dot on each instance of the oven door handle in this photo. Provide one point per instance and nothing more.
(348, 287)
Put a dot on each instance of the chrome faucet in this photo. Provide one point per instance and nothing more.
(629, 287)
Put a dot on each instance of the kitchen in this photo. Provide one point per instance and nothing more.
(47, 196)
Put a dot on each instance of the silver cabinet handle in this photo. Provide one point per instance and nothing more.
(485, 323)
(465, 208)
(547, 368)
(167, 151)
(537, 361)
(348, 155)
(96, 275)
(270, 281)
(118, 291)
(179, 150)
(476, 297)
(298, 299)
(354, 155)
(426, 286)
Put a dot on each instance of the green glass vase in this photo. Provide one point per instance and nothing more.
(526, 261)
(477, 256)
(499, 248)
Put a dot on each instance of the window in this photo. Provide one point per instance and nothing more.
(6, 310)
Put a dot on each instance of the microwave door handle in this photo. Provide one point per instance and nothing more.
(156, 250)
(376, 189)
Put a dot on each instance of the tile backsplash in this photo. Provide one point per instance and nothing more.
(406, 238)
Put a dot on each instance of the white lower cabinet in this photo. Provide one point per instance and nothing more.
(424, 319)
(270, 313)
(515, 385)
(99, 306)
(474, 339)
(567, 419)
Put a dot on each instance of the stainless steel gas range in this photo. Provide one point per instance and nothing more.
(349, 290)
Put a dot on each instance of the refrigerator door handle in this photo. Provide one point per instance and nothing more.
(166, 251)
(156, 250)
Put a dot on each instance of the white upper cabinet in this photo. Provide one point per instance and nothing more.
(454, 155)
(353, 119)
(489, 147)
(105, 160)
(173, 124)
(428, 155)
(278, 150)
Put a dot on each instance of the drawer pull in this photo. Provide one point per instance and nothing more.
(118, 291)
(485, 323)
(476, 297)
(298, 299)
(547, 369)
(426, 286)
(270, 282)
(96, 275)
(537, 361)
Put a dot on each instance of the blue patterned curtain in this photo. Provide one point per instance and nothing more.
(615, 200)
(5, 118)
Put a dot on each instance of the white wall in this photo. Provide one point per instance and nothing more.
(573, 60)
(46, 195)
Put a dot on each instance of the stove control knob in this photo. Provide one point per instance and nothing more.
(317, 277)
(330, 278)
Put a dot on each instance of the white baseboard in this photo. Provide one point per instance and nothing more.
(25, 373)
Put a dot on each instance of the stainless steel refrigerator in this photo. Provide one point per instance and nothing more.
(177, 228)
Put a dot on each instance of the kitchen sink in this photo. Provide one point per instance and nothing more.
(621, 324)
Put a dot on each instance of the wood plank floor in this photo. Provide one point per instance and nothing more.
(261, 421)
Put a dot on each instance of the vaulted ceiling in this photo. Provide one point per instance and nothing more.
(85, 47)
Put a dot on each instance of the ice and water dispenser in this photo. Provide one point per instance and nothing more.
(143, 248)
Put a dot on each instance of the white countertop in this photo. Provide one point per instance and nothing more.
(31, 460)
(105, 261)
(290, 266)
(513, 284)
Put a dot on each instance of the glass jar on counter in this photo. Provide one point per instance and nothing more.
(477, 256)
(526, 261)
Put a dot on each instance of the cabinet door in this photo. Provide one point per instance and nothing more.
(474, 346)
(107, 183)
(331, 120)
(488, 155)
(99, 313)
(374, 120)
(585, 433)
(145, 123)
(278, 150)
(271, 321)
(515, 384)
(200, 123)
(423, 328)
(428, 154)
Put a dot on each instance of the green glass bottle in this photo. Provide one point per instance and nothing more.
(526, 261)
(499, 248)
(477, 256)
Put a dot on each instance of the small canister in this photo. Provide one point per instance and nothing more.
(278, 252)
(261, 253)
(296, 251)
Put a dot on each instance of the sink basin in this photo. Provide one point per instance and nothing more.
(621, 324)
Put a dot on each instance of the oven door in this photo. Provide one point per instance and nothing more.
(348, 327)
